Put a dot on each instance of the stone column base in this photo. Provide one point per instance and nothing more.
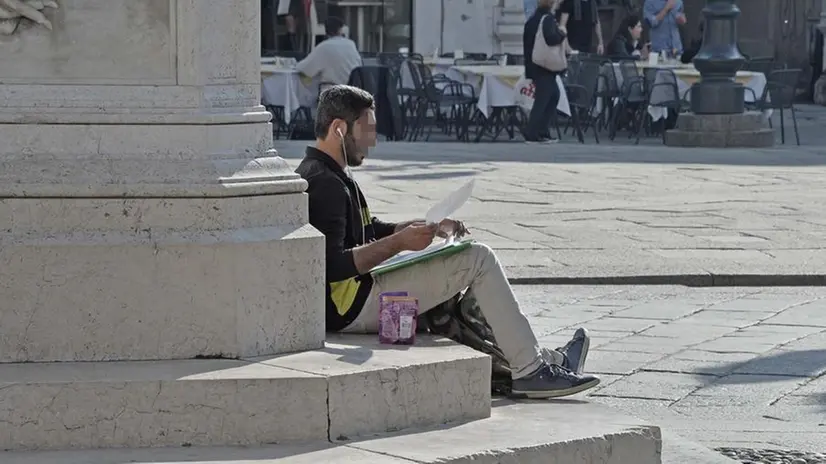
(136, 242)
(745, 130)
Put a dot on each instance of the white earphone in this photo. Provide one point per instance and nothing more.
(350, 175)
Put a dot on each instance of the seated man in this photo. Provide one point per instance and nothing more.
(356, 242)
(333, 59)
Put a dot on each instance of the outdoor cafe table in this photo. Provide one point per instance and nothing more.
(497, 86)
(286, 87)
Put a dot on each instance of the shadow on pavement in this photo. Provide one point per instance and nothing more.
(777, 367)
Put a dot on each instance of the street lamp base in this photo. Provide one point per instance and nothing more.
(717, 97)
(742, 130)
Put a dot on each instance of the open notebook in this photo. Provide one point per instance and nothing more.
(403, 260)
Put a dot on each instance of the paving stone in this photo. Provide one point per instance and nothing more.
(654, 385)
(659, 310)
(733, 344)
(618, 362)
(760, 303)
(809, 314)
(742, 390)
(712, 364)
(687, 332)
(622, 324)
(728, 318)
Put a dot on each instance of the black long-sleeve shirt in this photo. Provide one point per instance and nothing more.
(336, 203)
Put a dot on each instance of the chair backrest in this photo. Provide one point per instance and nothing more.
(781, 88)
(608, 77)
(516, 60)
(390, 59)
(662, 88)
(629, 70)
(587, 76)
(763, 65)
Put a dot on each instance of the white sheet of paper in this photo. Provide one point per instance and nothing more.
(445, 208)
(283, 7)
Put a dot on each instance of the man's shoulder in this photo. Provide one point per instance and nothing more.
(319, 177)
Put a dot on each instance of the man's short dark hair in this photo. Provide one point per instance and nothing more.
(341, 102)
(333, 25)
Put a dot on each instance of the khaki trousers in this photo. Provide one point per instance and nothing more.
(437, 280)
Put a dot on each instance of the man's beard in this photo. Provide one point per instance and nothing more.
(355, 155)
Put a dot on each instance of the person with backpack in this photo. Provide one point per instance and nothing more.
(543, 44)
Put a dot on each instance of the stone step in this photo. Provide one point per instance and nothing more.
(563, 431)
(353, 387)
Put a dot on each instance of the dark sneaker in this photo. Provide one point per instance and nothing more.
(552, 381)
(576, 350)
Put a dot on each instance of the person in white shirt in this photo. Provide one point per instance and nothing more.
(333, 59)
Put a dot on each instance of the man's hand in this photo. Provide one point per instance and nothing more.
(600, 49)
(670, 5)
(681, 19)
(417, 236)
(453, 227)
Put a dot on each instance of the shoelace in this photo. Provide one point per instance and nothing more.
(563, 372)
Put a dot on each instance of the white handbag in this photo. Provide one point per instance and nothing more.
(550, 57)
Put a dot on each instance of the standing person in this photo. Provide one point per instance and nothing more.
(580, 20)
(356, 242)
(546, 90)
(333, 59)
(665, 18)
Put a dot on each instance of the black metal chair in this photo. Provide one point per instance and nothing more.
(662, 91)
(765, 65)
(582, 94)
(631, 106)
(435, 93)
(779, 94)
(516, 60)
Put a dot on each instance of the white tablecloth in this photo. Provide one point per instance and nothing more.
(284, 87)
(498, 87)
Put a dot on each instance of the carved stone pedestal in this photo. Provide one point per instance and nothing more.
(744, 130)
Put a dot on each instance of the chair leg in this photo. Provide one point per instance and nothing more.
(613, 127)
(638, 124)
(782, 127)
(794, 120)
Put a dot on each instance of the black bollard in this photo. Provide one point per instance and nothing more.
(718, 61)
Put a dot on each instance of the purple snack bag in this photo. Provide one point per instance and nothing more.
(397, 318)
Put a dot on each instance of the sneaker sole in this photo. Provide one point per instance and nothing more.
(544, 395)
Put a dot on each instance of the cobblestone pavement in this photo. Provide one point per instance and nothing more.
(725, 367)
(574, 211)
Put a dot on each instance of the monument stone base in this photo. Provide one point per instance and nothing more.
(743, 130)
(353, 387)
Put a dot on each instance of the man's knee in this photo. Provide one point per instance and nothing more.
(484, 253)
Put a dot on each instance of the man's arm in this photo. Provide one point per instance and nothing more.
(566, 8)
(655, 16)
(598, 30)
(384, 229)
(313, 64)
(328, 214)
